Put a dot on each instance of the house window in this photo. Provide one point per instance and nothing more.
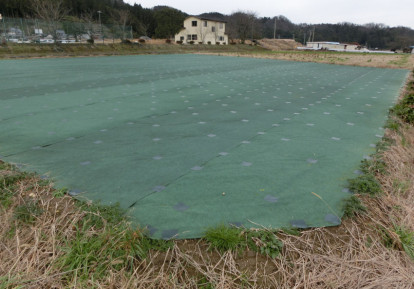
(205, 23)
(221, 25)
(221, 38)
(189, 37)
(213, 29)
(194, 23)
(194, 37)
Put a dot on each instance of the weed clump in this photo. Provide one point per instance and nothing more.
(9, 177)
(392, 124)
(98, 215)
(291, 231)
(265, 242)
(115, 248)
(353, 206)
(104, 241)
(365, 184)
(225, 238)
(28, 212)
(399, 238)
(373, 166)
(405, 108)
(149, 244)
(406, 238)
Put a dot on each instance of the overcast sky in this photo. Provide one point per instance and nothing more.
(388, 12)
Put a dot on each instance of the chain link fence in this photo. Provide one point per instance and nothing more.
(20, 30)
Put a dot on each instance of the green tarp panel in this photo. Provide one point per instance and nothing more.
(188, 141)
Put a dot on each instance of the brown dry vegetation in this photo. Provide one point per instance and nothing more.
(364, 252)
(279, 44)
(405, 61)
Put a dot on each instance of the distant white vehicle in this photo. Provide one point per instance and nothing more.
(46, 41)
(64, 41)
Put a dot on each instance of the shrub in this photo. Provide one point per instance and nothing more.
(168, 41)
(179, 42)
(218, 43)
(90, 41)
(191, 42)
(209, 42)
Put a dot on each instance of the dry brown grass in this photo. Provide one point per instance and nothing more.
(364, 252)
(405, 61)
(350, 256)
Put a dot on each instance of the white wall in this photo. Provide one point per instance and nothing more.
(331, 46)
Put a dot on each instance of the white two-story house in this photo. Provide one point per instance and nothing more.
(200, 30)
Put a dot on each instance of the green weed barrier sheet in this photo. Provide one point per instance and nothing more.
(185, 142)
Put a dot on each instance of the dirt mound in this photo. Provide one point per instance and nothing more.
(279, 44)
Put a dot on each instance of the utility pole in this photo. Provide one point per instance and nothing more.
(313, 34)
(4, 28)
(252, 28)
(21, 25)
(100, 24)
(274, 31)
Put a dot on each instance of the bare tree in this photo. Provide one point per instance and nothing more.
(87, 18)
(52, 12)
(242, 25)
(215, 32)
(122, 17)
(203, 31)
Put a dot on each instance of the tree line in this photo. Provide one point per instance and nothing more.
(164, 22)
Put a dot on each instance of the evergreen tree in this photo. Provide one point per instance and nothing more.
(169, 21)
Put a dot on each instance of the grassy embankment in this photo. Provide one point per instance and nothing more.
(13, 51)
(73, 50)
(49, 240)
